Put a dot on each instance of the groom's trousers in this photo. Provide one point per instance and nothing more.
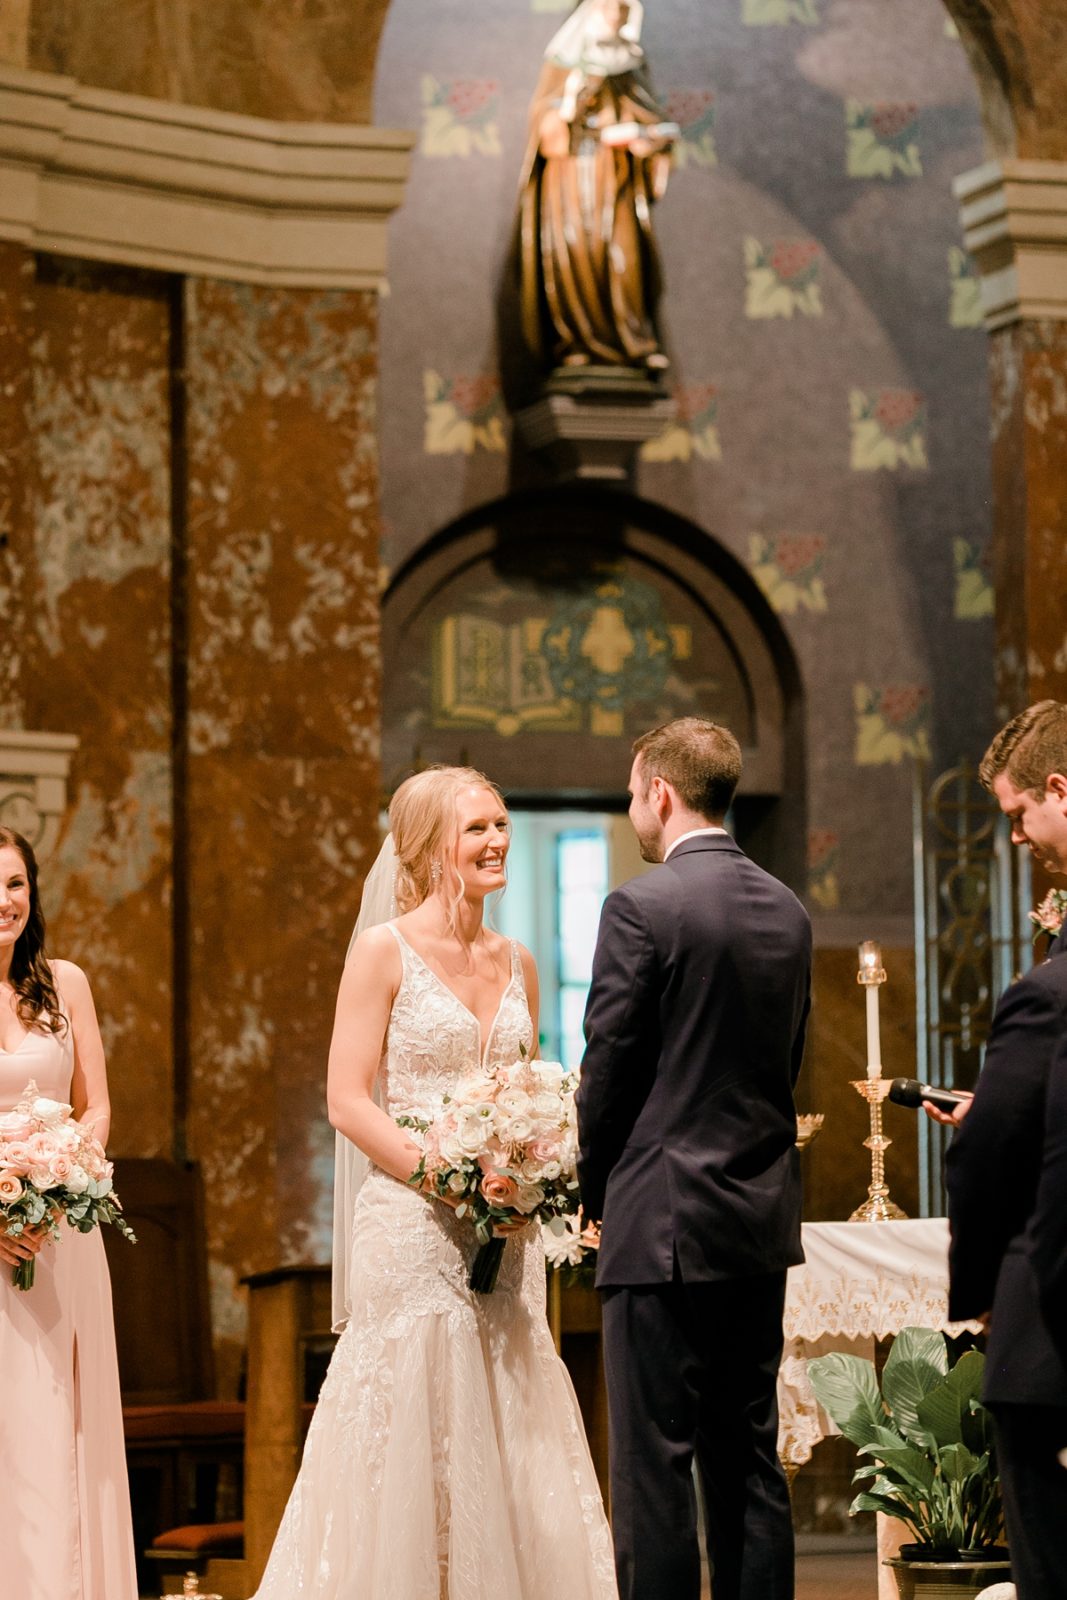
(692, 1371)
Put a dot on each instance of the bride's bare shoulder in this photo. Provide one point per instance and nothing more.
(374, 952)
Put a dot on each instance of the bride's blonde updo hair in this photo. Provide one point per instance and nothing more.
(423, 821)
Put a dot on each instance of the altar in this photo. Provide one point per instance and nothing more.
(859, 1281)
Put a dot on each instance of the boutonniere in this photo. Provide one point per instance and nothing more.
(1048, 918)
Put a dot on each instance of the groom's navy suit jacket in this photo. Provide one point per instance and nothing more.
(694, 1038)
(1007, 1185)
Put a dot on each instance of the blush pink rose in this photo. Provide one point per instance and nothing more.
(15, 1125)
(62, 1167)
(498, 1190)
(10, 1188)
(18, 1155)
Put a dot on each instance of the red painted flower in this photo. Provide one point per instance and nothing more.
(798, 553)
(791, 258)
(822, 842)
(890, 120)
(898, 408)
(901, 703)
(472, 395)
(689, 107)
(696, 400)
(469, 98)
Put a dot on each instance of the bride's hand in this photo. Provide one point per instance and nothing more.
(504, 1230)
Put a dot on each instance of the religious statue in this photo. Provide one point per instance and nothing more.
(597, 160)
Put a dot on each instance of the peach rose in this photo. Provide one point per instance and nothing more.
(498, 1190)
(10, 1188)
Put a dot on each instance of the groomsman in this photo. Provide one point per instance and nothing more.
(695, 1032)
(1007, 1183)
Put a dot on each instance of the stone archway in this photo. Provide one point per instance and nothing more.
(540, 634)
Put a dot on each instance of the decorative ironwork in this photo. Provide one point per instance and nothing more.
(972, 891)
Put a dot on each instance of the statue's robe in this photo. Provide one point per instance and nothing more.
(590, 275)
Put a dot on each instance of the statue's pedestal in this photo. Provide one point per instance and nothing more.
(590, 422)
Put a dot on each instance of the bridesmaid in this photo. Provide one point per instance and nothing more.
(65, 1528)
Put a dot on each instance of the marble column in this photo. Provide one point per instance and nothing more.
(1015, 221)
(282, 780)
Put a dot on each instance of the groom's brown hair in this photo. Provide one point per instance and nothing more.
(1029, 748)
(700, 760)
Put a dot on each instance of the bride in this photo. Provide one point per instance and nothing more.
(446, 1458)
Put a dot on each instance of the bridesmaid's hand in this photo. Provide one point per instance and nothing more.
(21, 1247)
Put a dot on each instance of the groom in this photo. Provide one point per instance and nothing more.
(695, 1032)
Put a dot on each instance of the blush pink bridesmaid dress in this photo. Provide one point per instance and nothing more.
(65, 1531)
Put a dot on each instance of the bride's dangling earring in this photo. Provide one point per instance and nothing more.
(435, 873)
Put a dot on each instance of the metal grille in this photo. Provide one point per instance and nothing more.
(972, 893)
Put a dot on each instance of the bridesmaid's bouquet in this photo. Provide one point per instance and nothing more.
(503, 1148)
(51, 1166)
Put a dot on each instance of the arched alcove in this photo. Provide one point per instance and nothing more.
(537, 636)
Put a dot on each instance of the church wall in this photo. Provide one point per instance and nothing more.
(828, 361)
(88, 553)
(189, 584)
(830, 368)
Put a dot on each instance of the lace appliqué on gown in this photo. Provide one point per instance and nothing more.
(446, 1459)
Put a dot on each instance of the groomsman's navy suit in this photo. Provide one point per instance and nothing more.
(695, 1033)
(1007, 1187)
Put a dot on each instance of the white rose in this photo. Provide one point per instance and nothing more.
(471, 1136)
(549, 1074)
(451, 1150)
(457, 1182)
(514, 1102)
(78, 1181)
(474, 1091)
(50, 1112)
(549, 1106)
(528, 1198)
(517, 1130)
(550, 1170)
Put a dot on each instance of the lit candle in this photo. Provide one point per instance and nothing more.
(872, 975)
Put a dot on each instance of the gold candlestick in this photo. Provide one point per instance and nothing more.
(877, 1207)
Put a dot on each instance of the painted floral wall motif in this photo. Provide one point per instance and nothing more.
(827, 356)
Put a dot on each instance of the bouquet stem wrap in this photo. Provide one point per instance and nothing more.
(486, 1266)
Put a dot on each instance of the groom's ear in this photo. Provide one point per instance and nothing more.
(1056, 784)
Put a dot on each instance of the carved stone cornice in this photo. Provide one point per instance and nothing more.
(33, 784)
(122, 178)
(1014, 215)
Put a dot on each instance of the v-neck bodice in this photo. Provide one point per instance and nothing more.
(433, 1039)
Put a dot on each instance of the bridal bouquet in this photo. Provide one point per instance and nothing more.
(51, 1166)
(503, 1148)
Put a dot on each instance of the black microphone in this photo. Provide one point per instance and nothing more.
(910, 1092)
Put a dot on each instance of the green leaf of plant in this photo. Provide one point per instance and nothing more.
(846, 1388)
(917, 1365)
(957, 1463)
(912, 1465)
(947, 1410)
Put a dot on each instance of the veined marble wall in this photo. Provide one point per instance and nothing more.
(188, 535)
(87, 575)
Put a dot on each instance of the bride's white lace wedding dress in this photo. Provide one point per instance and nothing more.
(446, 1459)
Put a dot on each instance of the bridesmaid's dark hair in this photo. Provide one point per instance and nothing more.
(36, 998)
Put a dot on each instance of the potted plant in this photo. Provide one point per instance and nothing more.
(928, 1444)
